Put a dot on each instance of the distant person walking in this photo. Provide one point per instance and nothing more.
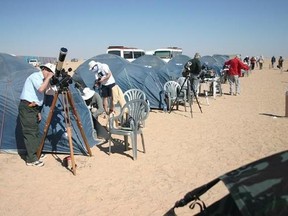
(280, 63)
(273, 60)
(252, 62)
(261, 62)
(235, 65)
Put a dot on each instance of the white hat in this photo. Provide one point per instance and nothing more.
(49, 66)
(92, 64)
(87, 93)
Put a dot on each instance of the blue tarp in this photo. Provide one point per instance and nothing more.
(13, 73)
(148, 73)
(127, 75)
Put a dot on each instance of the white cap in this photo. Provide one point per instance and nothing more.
(92, 64)
(49, 66)
(87, 93)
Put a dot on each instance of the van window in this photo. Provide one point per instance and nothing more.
(167, 53)
(115, 52)
(128, 54)
(163, 54)
(138, 54)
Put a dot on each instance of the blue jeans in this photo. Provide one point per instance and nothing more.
(194, 83)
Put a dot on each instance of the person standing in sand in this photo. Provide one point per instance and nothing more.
(235, 65)
(194, 67)
(280, 62)
(273, 60)
(104, 79)
(31, 100)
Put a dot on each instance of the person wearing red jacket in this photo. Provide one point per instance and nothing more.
(235, 65)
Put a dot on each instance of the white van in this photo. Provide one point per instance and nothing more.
(34, 62)
(167, 53)
(128, 53)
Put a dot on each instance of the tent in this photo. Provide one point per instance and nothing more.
(13, 73)
(258, 188)
(127, 75)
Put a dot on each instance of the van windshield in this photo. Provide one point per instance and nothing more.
(115, 52)
(163, 54)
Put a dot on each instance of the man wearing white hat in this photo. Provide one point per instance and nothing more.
(105, 79)
(31, 101)
(93, 102)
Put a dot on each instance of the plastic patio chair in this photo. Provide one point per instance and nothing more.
(132, 114)
(172, 93)
(132, 94)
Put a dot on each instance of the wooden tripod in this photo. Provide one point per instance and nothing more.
(67, 99)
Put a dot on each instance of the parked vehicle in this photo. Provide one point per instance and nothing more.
(34, 62)
(128, 53)
(167, 53)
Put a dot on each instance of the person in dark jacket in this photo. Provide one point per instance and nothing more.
(194, 67)
(273, 60)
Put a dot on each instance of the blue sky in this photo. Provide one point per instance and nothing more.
(86, 28)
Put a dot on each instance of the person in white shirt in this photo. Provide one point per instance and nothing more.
(31, 101)
(104, 80)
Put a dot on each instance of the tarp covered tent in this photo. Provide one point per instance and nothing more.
(215, 62)
(127, 76)
(148, 73)
(13, 73)
(258, 188)
(175, 66)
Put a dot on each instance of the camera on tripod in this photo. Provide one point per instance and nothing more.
(186, 69)
(61, 78)
(99, 75)
(206, 73)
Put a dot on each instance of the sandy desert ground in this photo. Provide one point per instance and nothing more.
(182, 154)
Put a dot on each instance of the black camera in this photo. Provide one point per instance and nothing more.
(99, 75)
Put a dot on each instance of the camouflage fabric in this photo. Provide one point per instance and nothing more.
(259, 188)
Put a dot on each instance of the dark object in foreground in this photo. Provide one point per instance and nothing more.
(259, 188)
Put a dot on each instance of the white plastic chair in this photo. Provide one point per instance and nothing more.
(172, 93)
(132, 94)
(132, 115)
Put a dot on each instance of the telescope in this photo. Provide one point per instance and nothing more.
(61, 78)
(61, 59)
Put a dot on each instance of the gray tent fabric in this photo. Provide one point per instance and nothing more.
(215, 62)
(150, 61)
(148, 73)
(127, 75)
(258, 188)
(13, 73)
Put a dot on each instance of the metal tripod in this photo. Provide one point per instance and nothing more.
(67, 99)
(189, 96)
